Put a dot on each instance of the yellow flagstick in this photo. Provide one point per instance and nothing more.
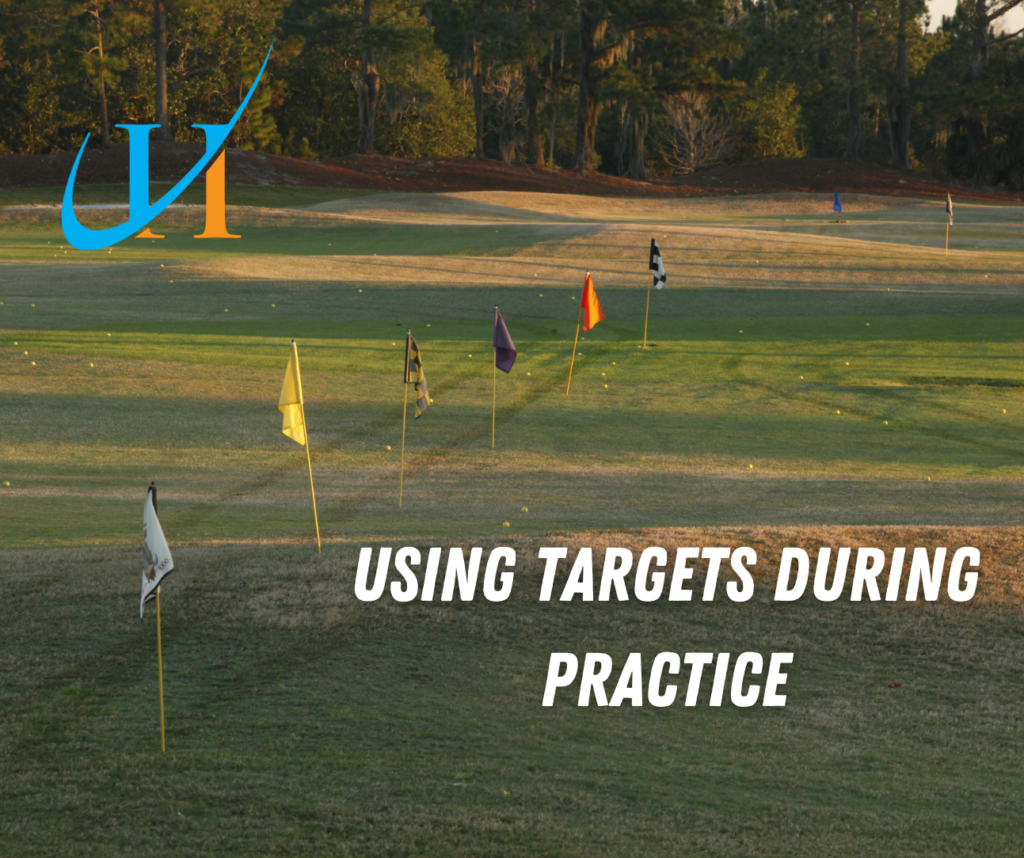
(647, 312)
(309, 461)
(312, 492)
(494, 395)
(160, 670)
(947, 236)
(579, 317)
(405, 411)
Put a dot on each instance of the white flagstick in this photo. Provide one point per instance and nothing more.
(949, 218)
(494, 395)
(160, 671)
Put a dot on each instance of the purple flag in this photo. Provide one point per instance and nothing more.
(504, 348)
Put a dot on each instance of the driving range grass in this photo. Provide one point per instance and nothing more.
(795, 378)
(303, 722)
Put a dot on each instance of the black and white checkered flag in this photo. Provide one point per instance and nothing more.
(657, 266)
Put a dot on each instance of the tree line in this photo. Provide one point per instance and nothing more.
(638, 88)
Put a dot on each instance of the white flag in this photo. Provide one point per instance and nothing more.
(657, 266)
(156, 555)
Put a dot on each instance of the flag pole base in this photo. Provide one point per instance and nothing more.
(160, 673)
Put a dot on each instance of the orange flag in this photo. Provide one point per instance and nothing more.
(592, 312)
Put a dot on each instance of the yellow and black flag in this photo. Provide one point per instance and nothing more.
(414, 374)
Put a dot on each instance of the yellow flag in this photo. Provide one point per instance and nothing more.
(290, 404)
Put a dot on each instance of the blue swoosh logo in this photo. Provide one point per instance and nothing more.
(82, 238)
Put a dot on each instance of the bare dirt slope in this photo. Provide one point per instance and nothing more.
(170, 161)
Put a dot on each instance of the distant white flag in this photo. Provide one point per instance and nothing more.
(949, 208)
(155, 553)
(657, 266)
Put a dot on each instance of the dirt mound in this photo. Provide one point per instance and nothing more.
(170, 161)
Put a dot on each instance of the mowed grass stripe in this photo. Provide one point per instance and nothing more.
(710, 408)
(299, 717)
(302, 720)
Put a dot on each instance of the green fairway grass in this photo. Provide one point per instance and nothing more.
(794, 387)
(800, 374)
(303, 722)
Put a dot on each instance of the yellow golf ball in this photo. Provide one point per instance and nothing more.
(525, 509)
(505, 524)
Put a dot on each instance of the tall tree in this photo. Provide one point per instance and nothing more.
(985, 15)
(160, 40)
(368, 85)
(854, 98)
(531, 95)
(93, 11)
(899, 98)
(600, 47)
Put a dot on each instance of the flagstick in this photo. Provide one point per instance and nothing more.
(647, 312)
(312, 493)
(571, 362)
(494, 396)
(947, 236)
(160, 669)
(405, 409)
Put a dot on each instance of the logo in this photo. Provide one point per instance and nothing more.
(140, 212)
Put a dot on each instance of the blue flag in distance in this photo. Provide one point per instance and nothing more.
(837, 206)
